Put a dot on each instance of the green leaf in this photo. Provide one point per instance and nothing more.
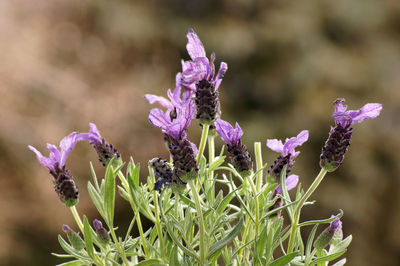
(222, 206)
(109, 195)
(310, 240)
(87, 232)
(72, 263)
(96, 198)
(262, 241)
(217, 162)
(284, 260)
(342, 245)
(328, 257)
(150, 262)
(340, 262)
(67, 248)
(173, 256)
(226, 240)
(133, 174)
(94, 176)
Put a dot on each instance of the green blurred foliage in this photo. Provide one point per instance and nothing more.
(67, 63)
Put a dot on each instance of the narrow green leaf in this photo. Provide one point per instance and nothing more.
(226, 240)
(217, 162)
(96, 198)
(94, 176)
(67, 247)
(222, 206)
(72, 263)
(340, 262)
(173, 256)
(262, 241)
(310, 240)
(109, 195)
(328, 257)
(284, 260)
(342, 245)
(150, 262)
(87, 232)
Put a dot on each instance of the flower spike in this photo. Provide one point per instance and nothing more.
(337, 144)
(288, 153)
(200, 74)
(64, 183)
(232, 137)
(105, 150)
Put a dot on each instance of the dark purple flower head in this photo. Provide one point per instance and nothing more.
(290, 144)
(105, 150)
(336, 146)
(57, 157)
(291, 183)
(64, 183)
(230, 135)
(174, 127)
(200, 68)
(238, 152)
(351, 117)
(288, 154)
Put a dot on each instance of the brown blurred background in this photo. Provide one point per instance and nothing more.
(64, 64)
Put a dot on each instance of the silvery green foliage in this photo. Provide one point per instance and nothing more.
(241, 228)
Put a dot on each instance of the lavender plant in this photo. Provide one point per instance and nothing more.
(256, 222)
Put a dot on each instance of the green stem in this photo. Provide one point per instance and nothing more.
(196, 198)
(157, 213)
(118, 246)
(259, 165)
(257, 223)
(77, 218)
(203, 141)
(211, 157)
(297, 210)
(139, 224)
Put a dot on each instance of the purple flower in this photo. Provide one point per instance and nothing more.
(105, 150)
(57, 157)
(199, 75)
(290, 144)
(200, 68)
(174, 127)
(291, 183)
(230, 135)
(337, 144)
(351, 117)
(238, 152)
(64, 184)
(288, 153)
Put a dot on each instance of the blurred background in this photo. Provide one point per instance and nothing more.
(64, 64)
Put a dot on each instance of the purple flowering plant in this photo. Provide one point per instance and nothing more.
(254, 222)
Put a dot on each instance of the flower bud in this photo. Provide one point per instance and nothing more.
(101, 232)
(330, 235)
(74, 239)
(240, 157)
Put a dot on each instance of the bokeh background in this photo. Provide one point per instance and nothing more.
(64, 64)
